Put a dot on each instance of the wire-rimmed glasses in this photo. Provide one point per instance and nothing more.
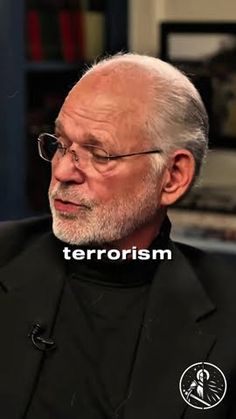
(51, 148)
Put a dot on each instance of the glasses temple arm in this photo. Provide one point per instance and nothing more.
(135, 154)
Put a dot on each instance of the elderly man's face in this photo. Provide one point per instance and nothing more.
(91, 206)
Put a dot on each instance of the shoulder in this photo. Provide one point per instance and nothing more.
(215, 271)
(15, 236)
(212, 262)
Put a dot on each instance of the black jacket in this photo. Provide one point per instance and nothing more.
(190, 317)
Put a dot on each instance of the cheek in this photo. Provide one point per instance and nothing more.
(113, 187)
(53, 180)
(125, 180)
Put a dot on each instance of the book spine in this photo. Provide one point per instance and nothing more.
(67, 39)
(94, 35)
(35, 48)
(78, 17)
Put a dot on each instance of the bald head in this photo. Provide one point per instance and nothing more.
(172, 114)
(126, 85)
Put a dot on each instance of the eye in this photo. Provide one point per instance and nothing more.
(59, 140)
(58, 143)
(98, 154)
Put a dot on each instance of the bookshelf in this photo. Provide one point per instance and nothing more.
(42, 59)
(207, 230)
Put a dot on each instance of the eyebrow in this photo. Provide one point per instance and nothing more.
(58, 129)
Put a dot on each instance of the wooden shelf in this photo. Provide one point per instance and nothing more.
(54, 66)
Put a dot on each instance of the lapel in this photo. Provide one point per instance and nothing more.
(33, 283)
(171, 340)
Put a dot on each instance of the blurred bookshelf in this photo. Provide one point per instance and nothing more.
(205, 217)
(207, 230)
(52, 43)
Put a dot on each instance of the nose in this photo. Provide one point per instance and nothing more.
(64, 169)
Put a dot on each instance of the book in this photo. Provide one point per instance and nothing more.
(34, 36)
(78, 27)
(67, 35)
(94, 28)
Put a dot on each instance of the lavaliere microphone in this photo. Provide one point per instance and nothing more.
(40, 342)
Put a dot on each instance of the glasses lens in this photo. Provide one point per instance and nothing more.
(99, 158)
(87, 154)
(48, 145)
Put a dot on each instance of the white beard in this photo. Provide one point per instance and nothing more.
(98, 223)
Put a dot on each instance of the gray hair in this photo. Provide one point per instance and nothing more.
(177, 117)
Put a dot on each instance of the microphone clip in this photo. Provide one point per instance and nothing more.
(39, 342)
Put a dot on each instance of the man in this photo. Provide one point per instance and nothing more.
(101, 338)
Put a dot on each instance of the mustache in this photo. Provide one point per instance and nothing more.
(70, 195)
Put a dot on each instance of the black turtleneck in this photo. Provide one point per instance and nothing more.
(97, 332)
(121, 273)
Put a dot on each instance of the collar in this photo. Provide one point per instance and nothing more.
(121, 273)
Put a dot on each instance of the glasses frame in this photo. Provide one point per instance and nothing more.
(109, 157)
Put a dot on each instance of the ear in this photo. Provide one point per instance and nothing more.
(178, 176)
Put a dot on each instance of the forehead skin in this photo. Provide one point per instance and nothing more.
(112, 99)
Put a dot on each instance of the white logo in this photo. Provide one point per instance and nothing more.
(203, 385)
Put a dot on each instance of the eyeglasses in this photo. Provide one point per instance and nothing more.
(50, 148)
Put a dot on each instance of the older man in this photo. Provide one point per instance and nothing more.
(95, 338)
